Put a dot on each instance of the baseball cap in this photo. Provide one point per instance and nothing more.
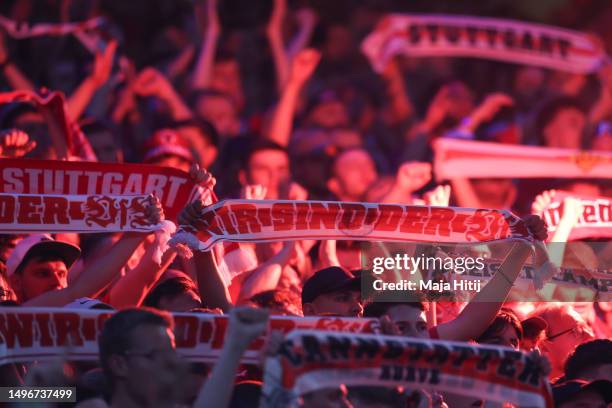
(167, 142)
(41, 245)
(533, 326)
(328, 280)
(567, 390)
(88, 303)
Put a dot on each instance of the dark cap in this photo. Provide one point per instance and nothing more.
(533, 326)
(565, 391)
(328, 280)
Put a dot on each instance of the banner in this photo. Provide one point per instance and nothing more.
(266, 220)
(54, 102)
(489, 38)
(594, 222)
(173, 187)
(597, 282)
(459, 158)
(312, 360)
(21, 30)
(46, 334)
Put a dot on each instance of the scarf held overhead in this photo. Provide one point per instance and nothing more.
(46, 334)
(265, 221)
(459, 158)
(42, 178)
(308, 361)
(488, 38)
(595, 221)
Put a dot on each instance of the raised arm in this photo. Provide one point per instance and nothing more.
(80, 98)
(202, 73)
(483, 113)
(411, 177)
(100, 273)
(132, 288)
(16, 79)
(245, 325)
(401, 106)
(302, 69)
(307, 21)
(266, 276)
(483, 307)
(274, 33)
(572, 210)
(213, 290)
(464, 193)
(151, 82)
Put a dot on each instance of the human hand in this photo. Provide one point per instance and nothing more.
(15, 143)
(153, 210)
(489, 107)
(439, 196)
(202, 177)
(542, 201)
(245, 325)
(151, 82)
(297, 192)
(306, 17)
(190, 215)
(536, 227)
(413, 176)
(304, 64)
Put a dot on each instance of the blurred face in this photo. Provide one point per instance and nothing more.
(495, 193)
(327, 398)
(149, 369)
(206, 152)
(38, 277)
(104, 146)
(270, 168)
(329, 114)
(343, 303)
(354, 172)
(565, 331)
(565, 129)
(170, 160)
(219, 111)
(507, 337)
(410, 321)
(180, 303)
(585, 399)
(338, 43)
(226, 78)
(528, 80)
(461, 100)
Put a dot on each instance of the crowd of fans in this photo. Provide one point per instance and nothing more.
(275, 101)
